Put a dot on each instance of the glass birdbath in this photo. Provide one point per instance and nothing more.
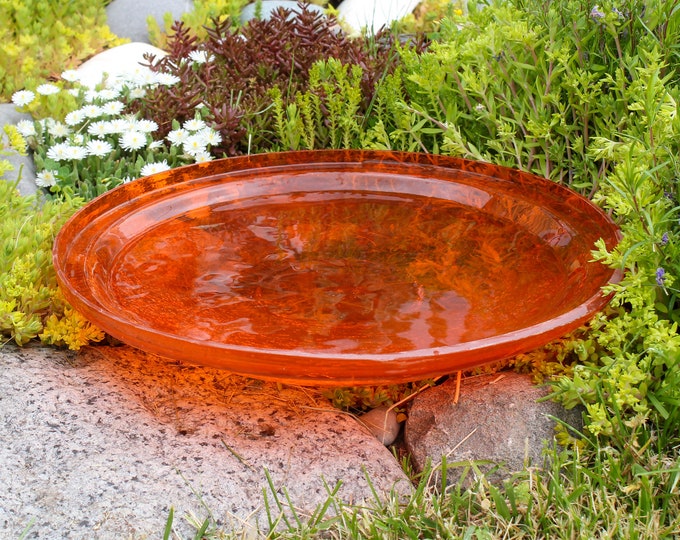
(336, 267)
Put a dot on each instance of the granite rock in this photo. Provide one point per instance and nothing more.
(497, 418)
(24, 168)
(101, 444)
(127, 18)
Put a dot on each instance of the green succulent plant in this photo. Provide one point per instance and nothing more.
(75, 30)
(31, 305)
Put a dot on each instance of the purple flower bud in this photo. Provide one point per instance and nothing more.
(595, 13)
(660, 273)
(664, 239)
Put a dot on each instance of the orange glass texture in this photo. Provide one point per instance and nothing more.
(336, 267)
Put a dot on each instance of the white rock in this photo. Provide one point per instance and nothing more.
(374, 14)
(122, 61)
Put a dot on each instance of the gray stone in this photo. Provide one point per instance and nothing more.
(497, 418)
(382, 423)
(24, 169)
(101, 444)
(127, 18)
(269, 6)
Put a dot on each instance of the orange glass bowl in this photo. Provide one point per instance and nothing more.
(336, 267)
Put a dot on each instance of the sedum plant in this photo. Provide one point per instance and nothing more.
(31, 305)
(74, 30)
(327, 114)
(233, 78)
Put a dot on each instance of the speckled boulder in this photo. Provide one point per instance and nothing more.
(497, 418)
(102, 444)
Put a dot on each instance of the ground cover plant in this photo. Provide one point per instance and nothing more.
(31, 304)
(75, 31)
(584, 93)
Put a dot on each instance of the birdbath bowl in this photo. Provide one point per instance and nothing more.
(336, 267)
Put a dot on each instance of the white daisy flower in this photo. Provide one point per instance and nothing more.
(132, 140)
(200, 57)
(99, 148)
(74, 117)
(146, 126)
(156, 144)
(137, 93)
(48, 89)
(78, 138)
(92, 111)
(143, 77)
(117, 84)
(57, 129)
(76, 152)
(195, 124)
(26, 128)
(98, 129)
(75, 92)
(178, 136)
(210, 136)
(117, 125)
(46, 178)
(22, 98)
(91, 95)
(108, 94)
(166, 79)
(58, 152)
(70, 75)
(194, 145)
(202, 157)
(153, 168)
(112, 107)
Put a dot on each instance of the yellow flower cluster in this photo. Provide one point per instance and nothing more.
(71, 330)
(31, 304)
